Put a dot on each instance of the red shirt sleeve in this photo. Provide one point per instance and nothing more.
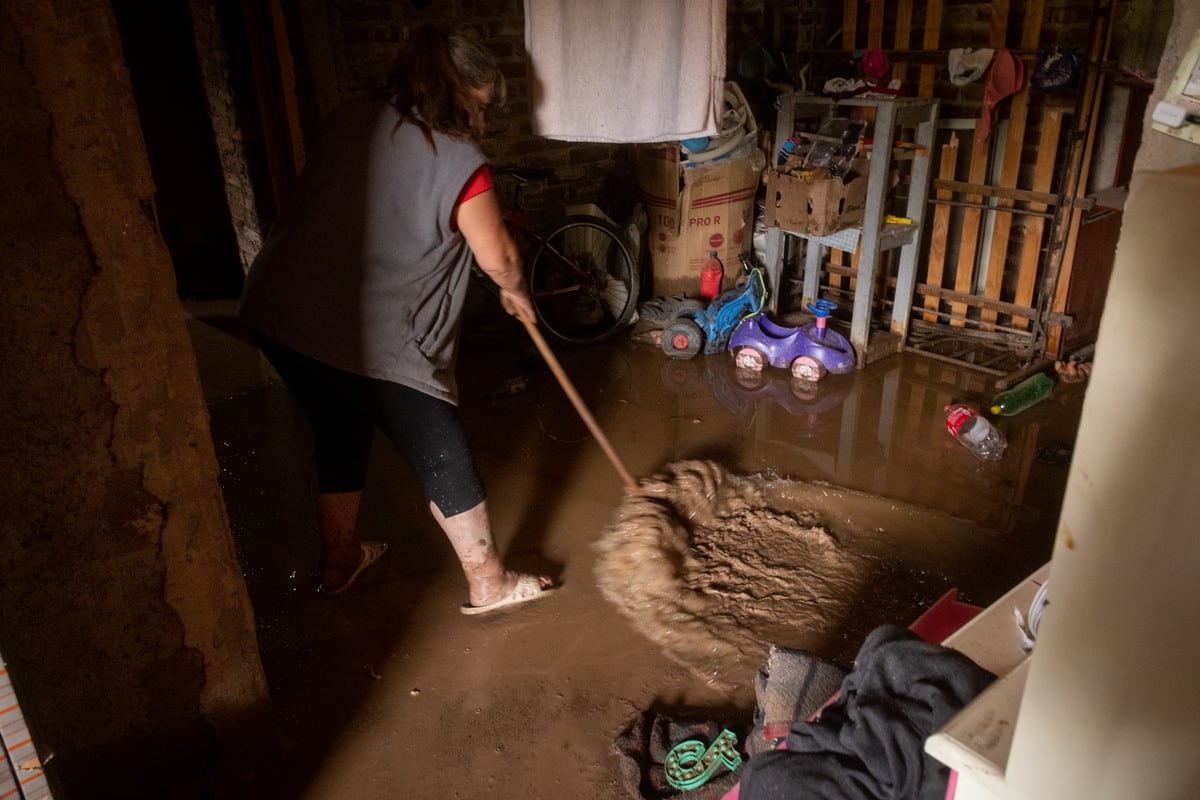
(479, 182)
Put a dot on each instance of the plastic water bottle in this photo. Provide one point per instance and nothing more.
(1028, 392)
(975, 433)
(710, 277)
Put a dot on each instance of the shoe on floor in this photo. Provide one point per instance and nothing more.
(371, 552)
(529, 587)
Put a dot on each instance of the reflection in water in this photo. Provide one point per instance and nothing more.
(743, 390)
(879, 430)
(603, 378)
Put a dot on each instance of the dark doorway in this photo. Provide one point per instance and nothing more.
(193, 212)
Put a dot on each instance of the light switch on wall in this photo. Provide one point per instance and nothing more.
(1174, 115)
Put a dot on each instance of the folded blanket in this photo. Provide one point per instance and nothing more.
(789, 688)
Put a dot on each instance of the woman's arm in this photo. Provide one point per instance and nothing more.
(496, 253)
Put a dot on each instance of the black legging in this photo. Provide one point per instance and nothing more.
(343, 410)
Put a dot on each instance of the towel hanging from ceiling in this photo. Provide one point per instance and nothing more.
(626, 70)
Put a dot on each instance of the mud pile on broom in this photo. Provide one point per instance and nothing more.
(703, 565)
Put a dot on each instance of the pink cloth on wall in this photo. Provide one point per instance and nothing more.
(1005, 78)
(626, 70)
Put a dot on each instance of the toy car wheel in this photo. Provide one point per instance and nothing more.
(682, 338)
(807, 368)
(749, 358)
(804, 390)
(749, 378)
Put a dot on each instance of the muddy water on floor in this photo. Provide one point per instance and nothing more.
(714, 568)
(844, 505)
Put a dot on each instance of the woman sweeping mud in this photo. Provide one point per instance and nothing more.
(357, 298)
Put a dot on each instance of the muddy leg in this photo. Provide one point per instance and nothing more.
(470, 534)
(341, 551)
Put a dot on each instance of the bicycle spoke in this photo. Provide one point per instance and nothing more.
(583, 281)
(569, 262)
(564, 290)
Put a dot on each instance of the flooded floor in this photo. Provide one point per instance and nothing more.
(864, 512)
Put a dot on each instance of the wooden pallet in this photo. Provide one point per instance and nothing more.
(1004, 217)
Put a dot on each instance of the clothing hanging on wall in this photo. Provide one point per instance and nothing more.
(626, 70)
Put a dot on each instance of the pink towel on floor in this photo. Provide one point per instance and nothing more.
(626, 70)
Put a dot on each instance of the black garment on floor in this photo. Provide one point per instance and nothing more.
(870, 742)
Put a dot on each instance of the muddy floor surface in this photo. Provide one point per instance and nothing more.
(714, 568)
(797, 518)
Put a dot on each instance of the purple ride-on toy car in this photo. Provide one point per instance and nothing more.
(809, 351)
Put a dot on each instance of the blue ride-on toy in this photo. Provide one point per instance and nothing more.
(699, 328)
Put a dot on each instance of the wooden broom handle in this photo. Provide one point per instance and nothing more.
(630, 484)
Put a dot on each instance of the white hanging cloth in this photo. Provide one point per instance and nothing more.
(626, 70)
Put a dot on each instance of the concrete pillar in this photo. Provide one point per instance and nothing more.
(124, 616)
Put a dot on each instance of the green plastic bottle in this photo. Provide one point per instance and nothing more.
(1028, 392)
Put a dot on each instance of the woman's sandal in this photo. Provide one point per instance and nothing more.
(529, 587)
(371, 552)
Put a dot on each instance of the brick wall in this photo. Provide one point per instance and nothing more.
(372, 32)
(803, 38)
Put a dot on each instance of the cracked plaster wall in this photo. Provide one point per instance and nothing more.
(123, 612)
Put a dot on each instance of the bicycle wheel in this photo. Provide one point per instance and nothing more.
(583, 280)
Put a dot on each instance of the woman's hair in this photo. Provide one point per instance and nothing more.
(431, 80)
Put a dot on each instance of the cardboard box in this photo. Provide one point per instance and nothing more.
(816, 206)
(693, 211)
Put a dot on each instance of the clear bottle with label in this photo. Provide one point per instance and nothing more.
(710, 277)
(975, 433)
(1029, 392)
